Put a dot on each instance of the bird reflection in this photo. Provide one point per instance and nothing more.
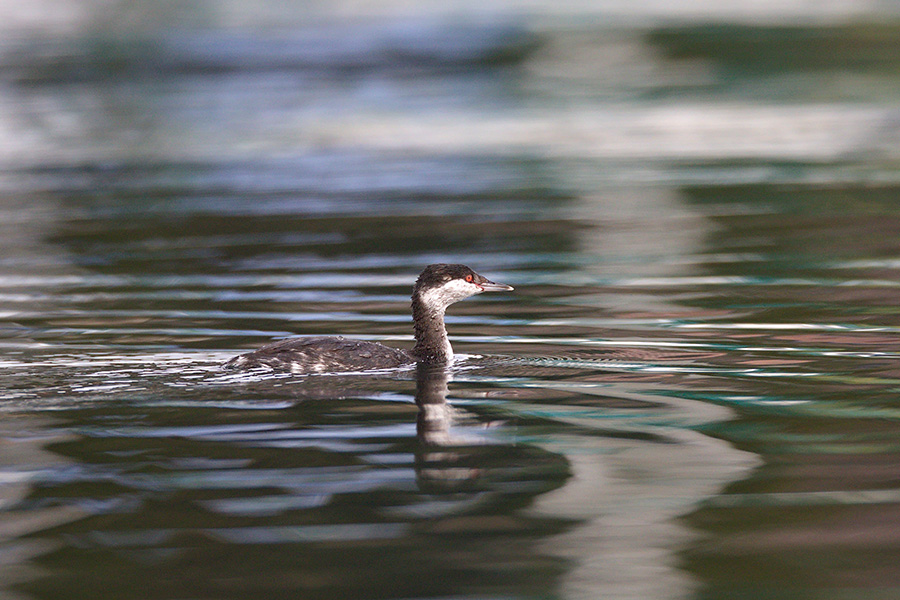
(446, 458)
(433, 419)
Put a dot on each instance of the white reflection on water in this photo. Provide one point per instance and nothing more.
(696, 132)
(629, 500)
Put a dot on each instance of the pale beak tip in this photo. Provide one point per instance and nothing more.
(497, 287)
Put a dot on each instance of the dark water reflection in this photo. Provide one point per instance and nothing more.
(691, 394)
(328, 497)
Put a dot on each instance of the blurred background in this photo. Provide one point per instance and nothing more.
(640, 84)
(696, 389)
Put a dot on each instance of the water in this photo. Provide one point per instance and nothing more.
(691, 394)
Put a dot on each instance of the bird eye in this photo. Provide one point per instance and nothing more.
(469, 278)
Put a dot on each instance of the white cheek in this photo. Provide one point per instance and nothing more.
(458, 289)
(452, 291)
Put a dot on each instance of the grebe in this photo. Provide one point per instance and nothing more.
(437, 287)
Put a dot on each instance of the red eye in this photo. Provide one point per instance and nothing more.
(469, 278)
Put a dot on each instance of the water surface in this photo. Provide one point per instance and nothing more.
(691, 393)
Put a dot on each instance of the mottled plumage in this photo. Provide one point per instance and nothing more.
(323, 355)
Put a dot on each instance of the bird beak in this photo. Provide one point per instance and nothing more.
(490, 286)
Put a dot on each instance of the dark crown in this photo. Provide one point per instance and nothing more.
(439, 274)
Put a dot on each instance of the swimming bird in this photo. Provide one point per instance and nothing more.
(437, 287)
